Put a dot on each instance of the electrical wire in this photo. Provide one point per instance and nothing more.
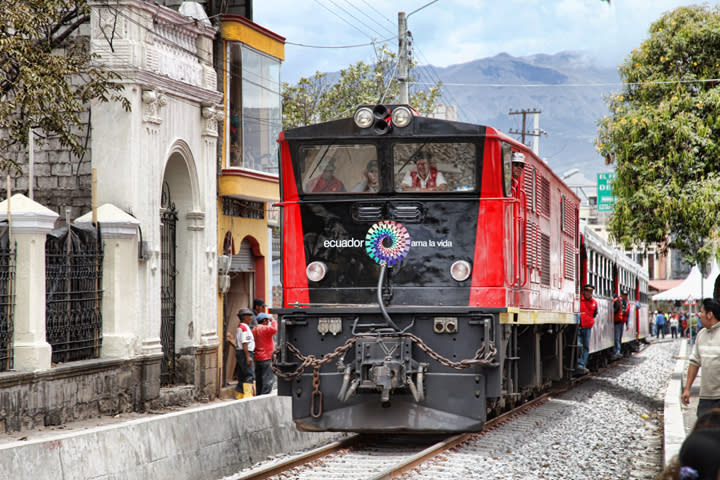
(341, 18)
(355, 18)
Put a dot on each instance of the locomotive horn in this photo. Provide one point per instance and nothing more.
(381, 127)
(380, 112)
(382, 122)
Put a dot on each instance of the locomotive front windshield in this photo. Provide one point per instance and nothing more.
(434, 167)
(416, 167)
(340, 169)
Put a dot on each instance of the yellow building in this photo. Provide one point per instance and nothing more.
(248, 182)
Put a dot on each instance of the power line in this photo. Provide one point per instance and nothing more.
(341, 18)
(354, 17)
(379, 13)
(581, 85)
(369, 44)
(418, 9)
(367, 16)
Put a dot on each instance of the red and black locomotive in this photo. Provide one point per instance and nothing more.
(423, 285)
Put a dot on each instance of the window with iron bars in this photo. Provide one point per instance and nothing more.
(232, 207)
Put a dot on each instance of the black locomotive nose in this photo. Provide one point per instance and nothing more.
(387, 242)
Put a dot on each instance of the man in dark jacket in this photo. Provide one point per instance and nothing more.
(621, 314)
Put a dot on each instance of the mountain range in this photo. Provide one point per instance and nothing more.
(568, 88)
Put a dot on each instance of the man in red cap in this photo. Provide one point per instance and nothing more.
(588, 312)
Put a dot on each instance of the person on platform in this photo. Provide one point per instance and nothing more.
(588, 312)
(674, 324)
(264, 348)
(326, 182)
(245, 348)
(621, 314)
(698, 458)
(660, 324)
(706, 353)
(424, 176)
(258, 308)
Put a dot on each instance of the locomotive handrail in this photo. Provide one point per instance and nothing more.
(523, 240)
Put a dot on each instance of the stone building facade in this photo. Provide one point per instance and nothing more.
(155, 182)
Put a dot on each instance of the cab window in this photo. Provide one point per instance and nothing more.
(351, 169)
(434, 167)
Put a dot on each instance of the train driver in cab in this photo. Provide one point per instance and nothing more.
(424, 176)
(518, 165)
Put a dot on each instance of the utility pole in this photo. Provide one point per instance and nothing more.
(403, 58)
(403, 53)
(535, 132)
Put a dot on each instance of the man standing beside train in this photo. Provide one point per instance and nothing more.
(706, 354)
(621, 314)
(588, 312)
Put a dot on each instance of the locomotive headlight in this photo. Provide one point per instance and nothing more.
(460, 270)
(316, 271)
(364, 117)
(401, 117)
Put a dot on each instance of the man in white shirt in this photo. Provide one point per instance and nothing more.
(424, 176)
(706, 354)
(245, 354)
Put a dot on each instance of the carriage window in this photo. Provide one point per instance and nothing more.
(340, 169)
(434, 167)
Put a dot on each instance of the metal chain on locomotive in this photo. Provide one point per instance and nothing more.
(481, 357)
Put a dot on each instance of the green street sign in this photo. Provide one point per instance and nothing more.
(605, 197)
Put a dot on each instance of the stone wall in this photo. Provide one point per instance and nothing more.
(60, 179)
(77, 391)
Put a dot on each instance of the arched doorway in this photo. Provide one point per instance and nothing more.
(168, 253)
(179, 250)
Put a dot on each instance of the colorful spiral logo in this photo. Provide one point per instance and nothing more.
(387, 242)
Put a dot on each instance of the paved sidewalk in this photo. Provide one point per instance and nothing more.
(679, 419)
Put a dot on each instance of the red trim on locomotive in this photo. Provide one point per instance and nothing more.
(295, 281)
(488, 274)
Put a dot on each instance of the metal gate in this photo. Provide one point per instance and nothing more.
(73, 293)
(7, 299)
(168, 223)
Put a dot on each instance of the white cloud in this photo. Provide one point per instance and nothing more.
(457, 31)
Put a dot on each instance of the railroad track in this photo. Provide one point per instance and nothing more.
(367, 457)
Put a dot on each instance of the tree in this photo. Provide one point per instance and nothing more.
(664, 135)
(47, 75)
(319, 99)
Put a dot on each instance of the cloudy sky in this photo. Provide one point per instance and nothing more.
(448, 32)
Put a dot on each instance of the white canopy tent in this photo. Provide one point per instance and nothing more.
(709, 285)
(691, 286)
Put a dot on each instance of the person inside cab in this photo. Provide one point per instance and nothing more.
(424, 176)
(371, 179)
(518, 165)
(326, 182)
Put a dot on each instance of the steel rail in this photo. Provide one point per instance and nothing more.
(447, 444)
(269, 471)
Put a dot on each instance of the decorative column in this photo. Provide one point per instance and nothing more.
(120, 280)
(30, 223)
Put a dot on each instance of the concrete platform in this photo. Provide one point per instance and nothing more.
(206, 442)
(679, 419)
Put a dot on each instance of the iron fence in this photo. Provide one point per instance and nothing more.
(73, 315)
(7, 299)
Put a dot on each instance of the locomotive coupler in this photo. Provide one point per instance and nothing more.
(384, 364)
